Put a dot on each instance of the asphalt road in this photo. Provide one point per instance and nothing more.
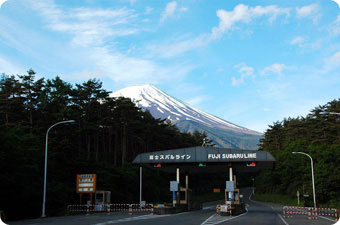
(257, 214)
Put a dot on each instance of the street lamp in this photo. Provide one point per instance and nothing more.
(45, 171)
(311, 161)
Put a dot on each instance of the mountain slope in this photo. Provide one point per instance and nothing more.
(188, 118)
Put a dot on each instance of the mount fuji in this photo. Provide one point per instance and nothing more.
(188, 118)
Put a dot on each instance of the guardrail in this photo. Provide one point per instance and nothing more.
(111, 208)
(311, 212)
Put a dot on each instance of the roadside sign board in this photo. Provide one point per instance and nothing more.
(230, 186)
(86, 183)
(173, 186)
(216, 190)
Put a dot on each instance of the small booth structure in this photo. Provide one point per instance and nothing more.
(193, 160)
(102, 198)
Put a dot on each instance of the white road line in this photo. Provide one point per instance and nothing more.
(144, 217)
(213, 221)
(205, 221)
(285, 222)
(208, 207)
(327, 218)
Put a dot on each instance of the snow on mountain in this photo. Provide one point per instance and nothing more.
(161, 105)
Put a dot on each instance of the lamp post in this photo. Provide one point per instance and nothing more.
(311, 161)
(45, 170)
(253, 186)
(140, 185)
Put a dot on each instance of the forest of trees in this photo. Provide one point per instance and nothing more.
(317, 134)
(106, 137)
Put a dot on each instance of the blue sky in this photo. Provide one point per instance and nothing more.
(250, 62)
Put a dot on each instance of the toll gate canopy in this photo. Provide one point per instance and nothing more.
(206, 160)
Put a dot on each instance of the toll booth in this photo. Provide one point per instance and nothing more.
(182, 194)
(232, 193)
(236, 200)
(202, 159)
(237, 197)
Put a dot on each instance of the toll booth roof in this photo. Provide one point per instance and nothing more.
(206, 160)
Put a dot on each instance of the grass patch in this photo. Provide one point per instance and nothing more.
(276, 198)
(207, 197)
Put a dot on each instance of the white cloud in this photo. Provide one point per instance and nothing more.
(9, 68)
(128, 70)
(338, 19)
(148, 10)
(132, 2)
(172, 10)
(305, 44)
(275, 68)
(87, 26)
(169, 10)
(196, 100)
(309, 11)
(245, 71)
(94, 32)
(335, 26)
(176, 47)
(333, 62)
(245, 14)
(297, 41)
(183, 9)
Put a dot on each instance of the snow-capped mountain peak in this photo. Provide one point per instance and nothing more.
(163, 106)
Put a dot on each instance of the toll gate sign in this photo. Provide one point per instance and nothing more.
(86, 183)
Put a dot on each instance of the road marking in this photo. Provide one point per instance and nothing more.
(205, 221)
(332, 220)
(217, 219)
(283, 220)
(208, 207)
(129, 219)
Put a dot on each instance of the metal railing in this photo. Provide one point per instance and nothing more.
(111, 208)
(311, 212)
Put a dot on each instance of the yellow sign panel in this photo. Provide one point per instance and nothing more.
(216, 190)
(86, 183)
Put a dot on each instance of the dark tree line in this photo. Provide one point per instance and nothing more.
(107, 136)
(317, 134)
